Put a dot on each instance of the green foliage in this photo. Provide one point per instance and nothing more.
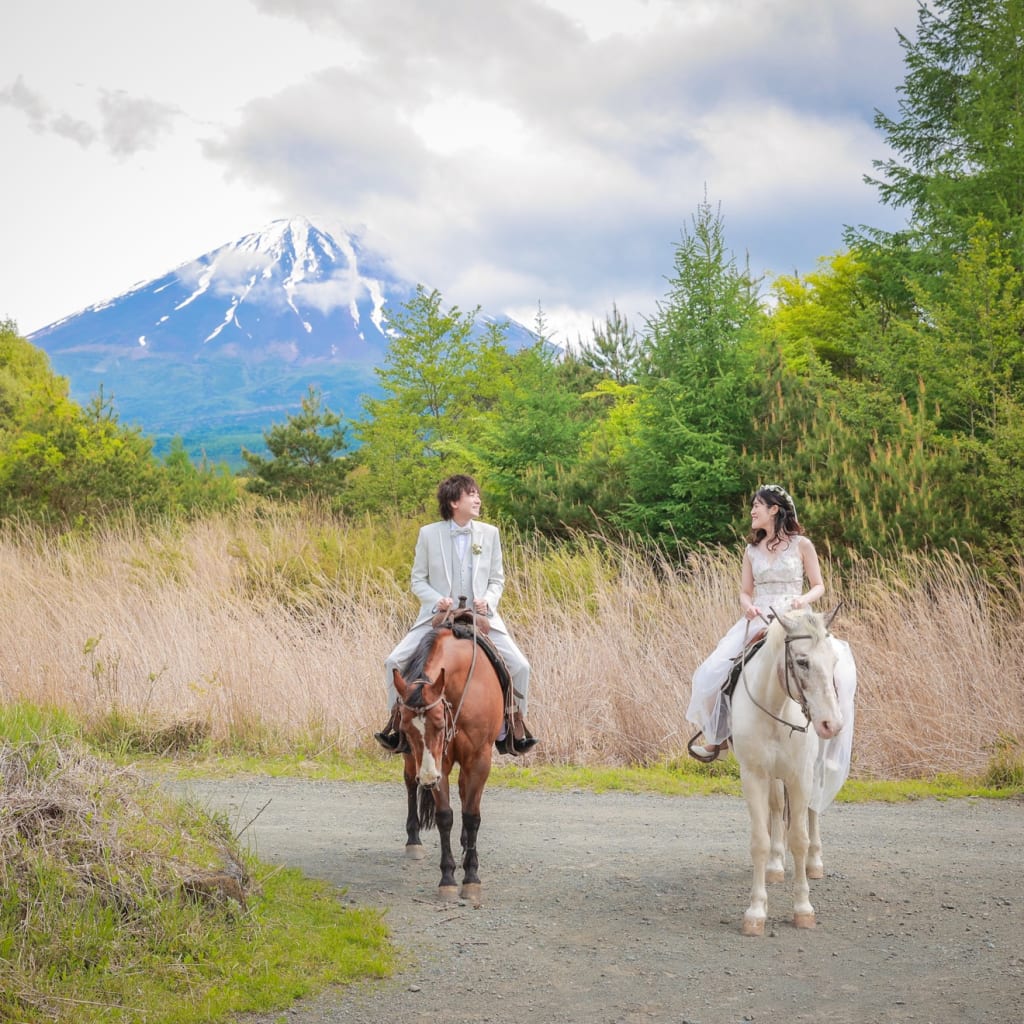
(438, 379)
(118, 902)
(869, 474)
(968, 345)
(957, 141)
(615, 350)
(307, 452)
(694, 406)
(529, 444)
(62, 465)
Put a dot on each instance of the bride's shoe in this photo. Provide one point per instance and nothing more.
(706, 752)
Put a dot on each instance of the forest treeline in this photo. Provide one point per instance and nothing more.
(885, 389)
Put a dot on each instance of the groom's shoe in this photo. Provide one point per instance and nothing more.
(522, 739)
(391, 738)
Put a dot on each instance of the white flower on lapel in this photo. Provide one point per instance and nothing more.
(476, 548)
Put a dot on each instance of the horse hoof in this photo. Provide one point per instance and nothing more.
(471, 892)
(804, 920)
(448, 893)
(753, 926)
(775, 875)
(816, 871)
(415, 851)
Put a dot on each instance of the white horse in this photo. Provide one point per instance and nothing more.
(786, 686)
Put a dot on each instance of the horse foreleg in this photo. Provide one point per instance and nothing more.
(447, 889)
(755, 790)
(775, 869)
(815, 863)
(799, 841)
(413, 845)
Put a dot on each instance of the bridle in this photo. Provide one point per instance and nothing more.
(800, 697)
(421, 710)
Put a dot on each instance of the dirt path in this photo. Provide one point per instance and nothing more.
(626, 909)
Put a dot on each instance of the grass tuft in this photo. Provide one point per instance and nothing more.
(119, 902)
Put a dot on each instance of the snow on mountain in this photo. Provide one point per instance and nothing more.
(290, 287)
(225, 345)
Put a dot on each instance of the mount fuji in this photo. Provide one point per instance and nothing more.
(222, 347)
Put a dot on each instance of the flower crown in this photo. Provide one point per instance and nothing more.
(782, 493)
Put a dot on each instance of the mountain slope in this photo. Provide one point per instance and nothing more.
(225, 345)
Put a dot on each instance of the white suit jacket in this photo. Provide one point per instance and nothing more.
(433, 569)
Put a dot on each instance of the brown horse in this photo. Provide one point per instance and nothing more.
(452, 711)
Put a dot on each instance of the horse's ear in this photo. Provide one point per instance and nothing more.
(832, 614)
(400, 684)
(440, 682)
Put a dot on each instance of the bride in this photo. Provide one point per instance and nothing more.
(777, 558)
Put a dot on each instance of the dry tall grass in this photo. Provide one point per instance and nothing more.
(270, 633)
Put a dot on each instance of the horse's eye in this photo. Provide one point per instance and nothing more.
(803, 662)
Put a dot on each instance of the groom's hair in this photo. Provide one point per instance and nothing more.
(449, 491)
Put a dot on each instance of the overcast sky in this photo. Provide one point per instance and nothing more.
(509, 153)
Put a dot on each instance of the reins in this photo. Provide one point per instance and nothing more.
(451, 717)
(800, 699)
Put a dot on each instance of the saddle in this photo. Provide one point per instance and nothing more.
(463, 617)
(467, 624)
(754, 644)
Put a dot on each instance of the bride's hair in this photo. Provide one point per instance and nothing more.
(785, 523)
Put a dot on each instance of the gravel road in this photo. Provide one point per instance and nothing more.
(621, 909)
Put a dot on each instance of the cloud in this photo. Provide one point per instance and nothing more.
(130, 124)
(127, 124)
(19, 96)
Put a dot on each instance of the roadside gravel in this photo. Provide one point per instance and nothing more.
(621, 909)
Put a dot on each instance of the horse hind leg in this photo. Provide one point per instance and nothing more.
(471, 889)
(775, 869)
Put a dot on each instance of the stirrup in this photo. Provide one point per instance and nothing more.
(508, 744)
(391, 738)
(706, 755)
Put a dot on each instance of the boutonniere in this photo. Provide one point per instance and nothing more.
(476, 549)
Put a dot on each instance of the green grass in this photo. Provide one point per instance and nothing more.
(675, 778)
(120, 903)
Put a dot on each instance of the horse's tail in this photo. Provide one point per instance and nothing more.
(427, 809)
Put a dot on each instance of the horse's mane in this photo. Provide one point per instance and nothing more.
(413, 671)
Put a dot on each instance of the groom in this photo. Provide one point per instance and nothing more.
(459, 557)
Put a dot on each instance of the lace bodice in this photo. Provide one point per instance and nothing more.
(776, 576)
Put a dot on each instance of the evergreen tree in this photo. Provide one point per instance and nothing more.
(440, 377)
(615, 350)
(957, 139)
(308, 454)
(694, 405)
